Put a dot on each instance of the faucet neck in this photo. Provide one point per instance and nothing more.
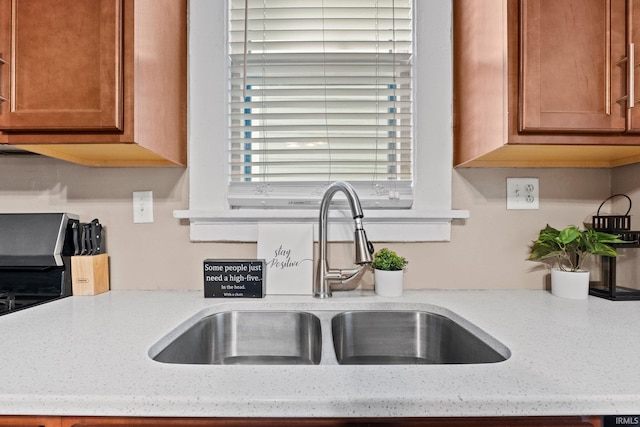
(349, 192)
(354, 205)
(322, 287)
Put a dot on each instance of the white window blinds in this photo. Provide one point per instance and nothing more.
(320, 90)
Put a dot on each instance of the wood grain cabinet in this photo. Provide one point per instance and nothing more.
(27, 421)
(572, 66)
(297, 422)
(96, 82)
(143, 422)
(546, 83)
(337, 422)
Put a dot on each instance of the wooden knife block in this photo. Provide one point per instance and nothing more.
(90, 274)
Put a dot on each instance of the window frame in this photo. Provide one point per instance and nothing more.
(211, 218)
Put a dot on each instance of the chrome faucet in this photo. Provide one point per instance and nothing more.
(325, 276)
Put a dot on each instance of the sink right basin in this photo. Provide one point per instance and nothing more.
(406, 337)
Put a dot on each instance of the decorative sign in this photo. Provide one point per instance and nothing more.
(225, 278)
(288, 253)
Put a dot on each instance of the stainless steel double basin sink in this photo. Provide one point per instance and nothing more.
(328, 337)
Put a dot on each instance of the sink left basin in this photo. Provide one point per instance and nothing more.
(248, 338)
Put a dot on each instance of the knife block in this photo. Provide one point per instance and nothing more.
(90, 274)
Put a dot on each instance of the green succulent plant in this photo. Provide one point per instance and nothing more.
(388, 260)
(571, 246)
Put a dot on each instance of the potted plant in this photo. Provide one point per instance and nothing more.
(569, 248)
(388, 272)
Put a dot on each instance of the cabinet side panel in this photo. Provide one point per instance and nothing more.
(161, 77)
(479, 45)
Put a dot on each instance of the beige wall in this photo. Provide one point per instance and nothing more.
(488, 250)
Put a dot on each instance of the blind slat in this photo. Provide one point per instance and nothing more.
(276, 4)
(368, 117)
(342, 143)
(328, 59)
(295, 128)
(313, 105)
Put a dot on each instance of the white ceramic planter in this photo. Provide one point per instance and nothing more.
(388, 283)
(570, 284)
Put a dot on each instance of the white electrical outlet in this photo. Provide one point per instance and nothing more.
(142, 207)
(523, 193)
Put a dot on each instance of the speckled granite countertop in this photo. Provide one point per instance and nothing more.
(90, 356)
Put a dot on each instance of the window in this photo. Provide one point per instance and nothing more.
(212, 216)
(321, 90)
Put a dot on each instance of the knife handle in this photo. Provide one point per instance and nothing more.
(95, 237)
(85, 248)
(99, 238)
(75, 238)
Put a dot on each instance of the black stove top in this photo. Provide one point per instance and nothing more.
(22, 288)
(13, 302)
(35, 253)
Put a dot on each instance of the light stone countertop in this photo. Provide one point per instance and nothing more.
(90, 356)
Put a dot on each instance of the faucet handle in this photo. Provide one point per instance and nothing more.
(364, 248)
(370, 247)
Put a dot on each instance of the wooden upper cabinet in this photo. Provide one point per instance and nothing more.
(573, 67)
(546, 83)
(95, 82)
(633, 45)
(65, 63)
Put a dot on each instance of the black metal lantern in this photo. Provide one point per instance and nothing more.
(619, 276)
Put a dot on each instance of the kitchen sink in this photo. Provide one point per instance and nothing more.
(249, 338)
(406, 337)
(315, 336)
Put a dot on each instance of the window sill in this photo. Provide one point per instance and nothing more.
(381, 225)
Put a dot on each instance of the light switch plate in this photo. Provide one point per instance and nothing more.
(142, 207)
(523, 193)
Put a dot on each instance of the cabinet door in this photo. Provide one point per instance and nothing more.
(63, 65)
(634, 45)
(572, 66)
(30, 421)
